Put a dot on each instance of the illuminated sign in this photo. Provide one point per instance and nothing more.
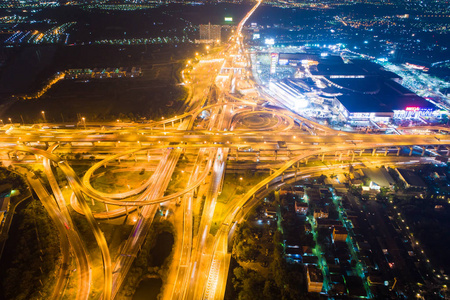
(273, 63)
(228, 19)
(412, 108)
(256, 36)
(269, 41)
(347, 76)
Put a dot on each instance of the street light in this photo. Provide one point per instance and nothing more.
(10, 121)
(43, 114)
(2, 122)
(84, 122)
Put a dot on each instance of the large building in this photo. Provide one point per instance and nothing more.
(356, 91)
(210, 33)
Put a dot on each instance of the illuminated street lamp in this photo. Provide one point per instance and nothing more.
(10, 121)
(84, 122)
(2, 122)
(43, 114)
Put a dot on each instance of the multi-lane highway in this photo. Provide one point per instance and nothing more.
(212, 131)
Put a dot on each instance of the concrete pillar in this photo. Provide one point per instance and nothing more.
(306, 161)
(398, 150)
(267, 186)
(361, 152)
(448, 151)
(282, 177)
(196, 192)
(385, 151)
(423, 150)
(340, 157)
(348, 152)
(126, 210)
(93, 203)
(173, 124)
(106, 207)
(353, 155)
(323, 156)
(373, 151)
(410, 151)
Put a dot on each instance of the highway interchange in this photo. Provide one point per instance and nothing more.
(200, 265)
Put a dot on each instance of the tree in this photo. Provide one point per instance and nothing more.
(321, 179)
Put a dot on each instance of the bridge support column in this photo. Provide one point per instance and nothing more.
(139, 211)
(361, 152)
(348, 152)
(323, 156)
(340, 157)
(423, 150)
(106, 207)
(353, 155)
(385, 151)
(306, 161)
(373, 151)
(267, 186)
(195, 192)
(448, 151)
(126, 210)
(173, 125)
(92, 200)
(164, 126)
(282, 177)
(398, 150)
(410, 151)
